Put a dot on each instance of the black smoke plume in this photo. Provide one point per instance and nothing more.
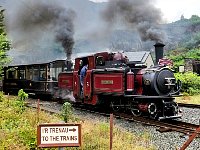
(41, 22)
(141, 15)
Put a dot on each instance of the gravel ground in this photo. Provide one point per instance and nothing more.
(162, 141)
(191, 115)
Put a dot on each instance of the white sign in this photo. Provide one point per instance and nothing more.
(59, 135)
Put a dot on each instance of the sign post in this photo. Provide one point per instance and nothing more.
(111, 131)
(59, 135)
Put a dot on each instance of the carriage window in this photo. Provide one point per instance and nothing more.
(100, 61)
(36, 73)
(43, 73)
(21, 73)
(29, 73)
(54, 73)
(11, 73)
(55, 69)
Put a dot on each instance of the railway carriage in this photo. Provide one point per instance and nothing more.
(35, 79)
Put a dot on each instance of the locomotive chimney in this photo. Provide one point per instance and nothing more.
(159, 47)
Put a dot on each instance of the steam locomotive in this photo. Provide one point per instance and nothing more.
(114, 80)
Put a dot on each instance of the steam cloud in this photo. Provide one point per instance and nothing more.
(38, 20)
(141, 15)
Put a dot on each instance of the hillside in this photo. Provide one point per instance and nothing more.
(91, 33)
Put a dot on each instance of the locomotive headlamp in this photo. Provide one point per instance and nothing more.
(170, 82)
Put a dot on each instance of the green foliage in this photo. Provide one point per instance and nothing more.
(22, 95)
(188, 37)
(195, 19)
(193, 42)
(19, 103)
(190, 82)
(15, 128)
(66, 111)
(1, 96)
(18, 131)
(19, 106)
(193, 53)
(4, 43)
(179, 56)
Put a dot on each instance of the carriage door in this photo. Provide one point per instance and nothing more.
(88, 79)
(76, 84)
(76, 78)
(87, 85)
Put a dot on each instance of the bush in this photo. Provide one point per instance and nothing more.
(66, 111)
(190, 82)
(18, 130)
(22, 95)
(19, 103)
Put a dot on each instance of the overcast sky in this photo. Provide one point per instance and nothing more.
(173, 9)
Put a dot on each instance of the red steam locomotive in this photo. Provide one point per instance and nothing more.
(114, 81)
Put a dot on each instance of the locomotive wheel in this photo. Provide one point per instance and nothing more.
(153, 112)
(115, 105)
(154, 116)
(135, 111)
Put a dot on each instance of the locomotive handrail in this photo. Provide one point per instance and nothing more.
(156, 69)
(178, 85)
(109, 69)
(150, 97)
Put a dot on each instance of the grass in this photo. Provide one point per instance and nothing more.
(18, 130)
(122, 140)
(18, 125)
(189, 99)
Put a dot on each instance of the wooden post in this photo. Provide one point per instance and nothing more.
(185, 145)
(8, 100)
(38, 110)
(111, 130)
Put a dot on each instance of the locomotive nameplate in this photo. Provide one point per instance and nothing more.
(65, 81)
(106, 81)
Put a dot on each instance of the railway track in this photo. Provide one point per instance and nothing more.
(162, 126)
(189, 105)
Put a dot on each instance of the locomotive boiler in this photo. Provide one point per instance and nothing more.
(115, 81)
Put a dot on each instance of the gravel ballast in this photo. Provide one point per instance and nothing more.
(162, 141)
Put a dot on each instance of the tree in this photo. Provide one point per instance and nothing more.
(195, 19)
(4, 43)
